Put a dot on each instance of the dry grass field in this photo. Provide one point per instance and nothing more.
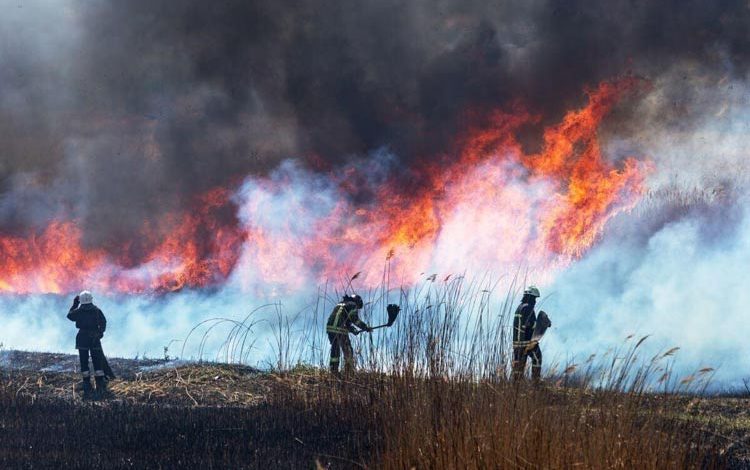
(173, 415)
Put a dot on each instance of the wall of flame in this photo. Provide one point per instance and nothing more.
(492, 207)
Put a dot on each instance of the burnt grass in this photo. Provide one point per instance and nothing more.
(175, 416)
(58, 434)
(186, 415)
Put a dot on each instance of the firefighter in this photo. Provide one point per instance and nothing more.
(523, 329)
(340, 323)
(91, 325)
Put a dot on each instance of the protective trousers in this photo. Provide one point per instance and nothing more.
(519, 362)
(97, 357)
(339, 342)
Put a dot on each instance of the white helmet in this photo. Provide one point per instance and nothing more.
(85, 297)
(532, 290)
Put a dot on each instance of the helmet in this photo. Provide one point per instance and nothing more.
(532, 290)
(85, 297)
(356, 299)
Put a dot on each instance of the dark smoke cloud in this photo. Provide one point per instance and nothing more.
(116, 112)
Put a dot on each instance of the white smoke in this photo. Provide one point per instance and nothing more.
(675, 268)
(677, 287)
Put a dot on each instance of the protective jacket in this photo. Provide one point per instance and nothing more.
(91, 324)
(342, 318)
(523, 325)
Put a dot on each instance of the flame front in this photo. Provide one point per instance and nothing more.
(492, 207)
(198, 252)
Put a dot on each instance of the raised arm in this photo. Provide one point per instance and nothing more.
(73, 313)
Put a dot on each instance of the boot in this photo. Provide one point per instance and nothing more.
(518, 370)
(86, 387)
(101, 387)
(536, 375)
(333, 365)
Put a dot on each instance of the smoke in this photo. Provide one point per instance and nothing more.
(137, 326)
(673, 267)
(683, 286)
(118, 114)
(134, 106)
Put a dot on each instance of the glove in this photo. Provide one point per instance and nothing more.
(393, 309)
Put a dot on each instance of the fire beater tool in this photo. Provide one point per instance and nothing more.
(542, 324)
(392, 310)
(108, 373)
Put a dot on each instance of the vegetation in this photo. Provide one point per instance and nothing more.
(432, 392)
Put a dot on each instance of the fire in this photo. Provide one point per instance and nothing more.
(489, 206)
(495, 206)
(45, 262)
(199, 252)
(578, 214)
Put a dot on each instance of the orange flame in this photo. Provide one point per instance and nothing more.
(578, 215)
(199, 252)
(492, 206)
(496, 206)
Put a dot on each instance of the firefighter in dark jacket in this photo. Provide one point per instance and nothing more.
(523, 329)
(91, 326)
(340, 324)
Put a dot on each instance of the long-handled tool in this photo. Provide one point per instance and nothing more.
(107, 369)
(393, 310)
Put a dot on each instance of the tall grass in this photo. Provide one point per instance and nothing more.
(433, 391)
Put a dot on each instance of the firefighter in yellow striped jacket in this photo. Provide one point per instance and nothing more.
(339, 325)
(523, 329)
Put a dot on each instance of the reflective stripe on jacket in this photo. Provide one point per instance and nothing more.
(523, 325)
(343, 316)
